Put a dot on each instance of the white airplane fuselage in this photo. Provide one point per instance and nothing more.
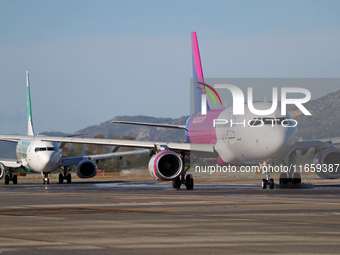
(38, 156)
(244, 139)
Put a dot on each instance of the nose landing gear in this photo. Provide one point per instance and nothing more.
(267, 181)
(46, 180)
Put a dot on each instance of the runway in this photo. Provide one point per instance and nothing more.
(220, 216)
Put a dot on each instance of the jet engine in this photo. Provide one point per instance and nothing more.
(327, 164)
(2, 171)
(86, 169)
(165, 166)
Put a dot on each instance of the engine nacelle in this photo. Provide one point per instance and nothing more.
(2, 171)
(165, 166)
(86, 169)
(329, 164)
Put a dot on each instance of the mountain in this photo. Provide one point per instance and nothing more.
(325, 119)
(141, 133)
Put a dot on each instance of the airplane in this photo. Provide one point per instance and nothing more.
(229, 145)
(45, 157)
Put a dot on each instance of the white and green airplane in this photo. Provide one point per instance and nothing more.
(45, 157)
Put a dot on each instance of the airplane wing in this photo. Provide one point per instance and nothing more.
(150, 124)
(12, 163)
(117, 154)
(76, 160)
(207, 150)
(10, 140)
(301, 145)
(9, 163)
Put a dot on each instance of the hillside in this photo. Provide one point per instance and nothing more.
(325, 119)
(141, 133)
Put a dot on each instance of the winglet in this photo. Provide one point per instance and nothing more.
(198, 78)
(30, 129)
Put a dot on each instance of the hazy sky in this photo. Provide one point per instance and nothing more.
(90, 61)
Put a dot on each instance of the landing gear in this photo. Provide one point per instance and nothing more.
(6, 179)
(270, 183)
(184, 178)
(9, 176)
(294, 179)
(267, 181)
(65, 176)
(176, 184)
(46, 180)
(283, 179)
(15, 179)
(69, 178)
(187, 180)
(61, 178)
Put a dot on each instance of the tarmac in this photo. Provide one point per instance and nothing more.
(222, 215)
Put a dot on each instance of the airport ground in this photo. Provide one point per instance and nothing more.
(131, 214)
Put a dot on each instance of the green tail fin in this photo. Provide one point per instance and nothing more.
(30, 129)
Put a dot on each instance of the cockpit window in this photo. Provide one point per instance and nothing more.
(44, 149)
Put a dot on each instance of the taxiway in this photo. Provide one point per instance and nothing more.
(220, 216)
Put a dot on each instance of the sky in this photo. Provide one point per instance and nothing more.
(90, 61)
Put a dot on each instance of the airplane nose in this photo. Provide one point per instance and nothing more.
(48, 162)
(273, 143)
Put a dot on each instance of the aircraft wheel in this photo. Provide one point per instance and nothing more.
(271, 183)
(264, 183)
(189, 182)
(283, 178)
(6, 179)
(296, 178)
(61, 178)
(15, 179)
(176, 184)
(69, 178)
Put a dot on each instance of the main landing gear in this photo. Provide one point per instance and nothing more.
(65, 176)
(10, 177)
(184, 178)
(294, 179)
(187, 180)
